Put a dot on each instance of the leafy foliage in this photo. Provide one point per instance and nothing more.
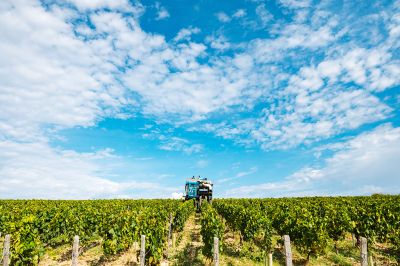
(314, 223)
(182, 214)
(37, 224)
(27, 247)
(250, 221)
(211, 226)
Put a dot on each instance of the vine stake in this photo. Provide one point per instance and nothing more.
(142, 250)
(6, 250)
(288, 250)
(75, 251)
(216, 251)
(364, 252)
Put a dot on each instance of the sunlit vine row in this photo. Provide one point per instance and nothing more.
(36, 225)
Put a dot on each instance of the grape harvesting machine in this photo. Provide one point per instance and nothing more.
(199, 189)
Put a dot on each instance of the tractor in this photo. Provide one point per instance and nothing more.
(199, 189)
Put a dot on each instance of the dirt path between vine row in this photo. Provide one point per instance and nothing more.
(188, 251)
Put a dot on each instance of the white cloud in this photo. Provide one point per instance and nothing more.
(291, 37)
(239, 13)
(202, 163)
(243, 61)
(168, 142)
(58, 79)
(69, 75)
(311, 117)
(186, 33)
(100, 4)
(263, 14)
(53, 79)
(162, 12)
(177, 195)
(321, 100)
(168, 81)
(372, 68)
(251, 171)
(34, 170)
(223, 17)
(179, 144)
(218, 42)
(293, 4)
(366, 164)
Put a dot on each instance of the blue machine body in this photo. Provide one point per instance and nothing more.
(196, 188)
(191, 189)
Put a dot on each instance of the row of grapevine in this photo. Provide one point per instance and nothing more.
(183, 212)
(249, 222)
(37, 225)
(314, 223)
(211, 226)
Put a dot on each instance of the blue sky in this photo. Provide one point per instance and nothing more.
(126, 99)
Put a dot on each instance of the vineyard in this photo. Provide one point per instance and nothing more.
(322, 230)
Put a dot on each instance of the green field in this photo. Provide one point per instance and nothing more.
(323, 231)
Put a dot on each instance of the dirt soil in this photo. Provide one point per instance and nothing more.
(188, 250)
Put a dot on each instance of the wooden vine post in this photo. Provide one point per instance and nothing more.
(364, 252)
(75, 251)
(216, 251)
(6, 250)
(142, 250)
(270, 258)
(288, 250)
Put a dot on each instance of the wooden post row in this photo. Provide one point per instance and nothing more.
(6, 251)
(75, 251)
(216, 251)
(364, 252)
(142, 250)
(288, 250)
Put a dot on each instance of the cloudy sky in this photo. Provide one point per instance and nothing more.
(118, 98)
